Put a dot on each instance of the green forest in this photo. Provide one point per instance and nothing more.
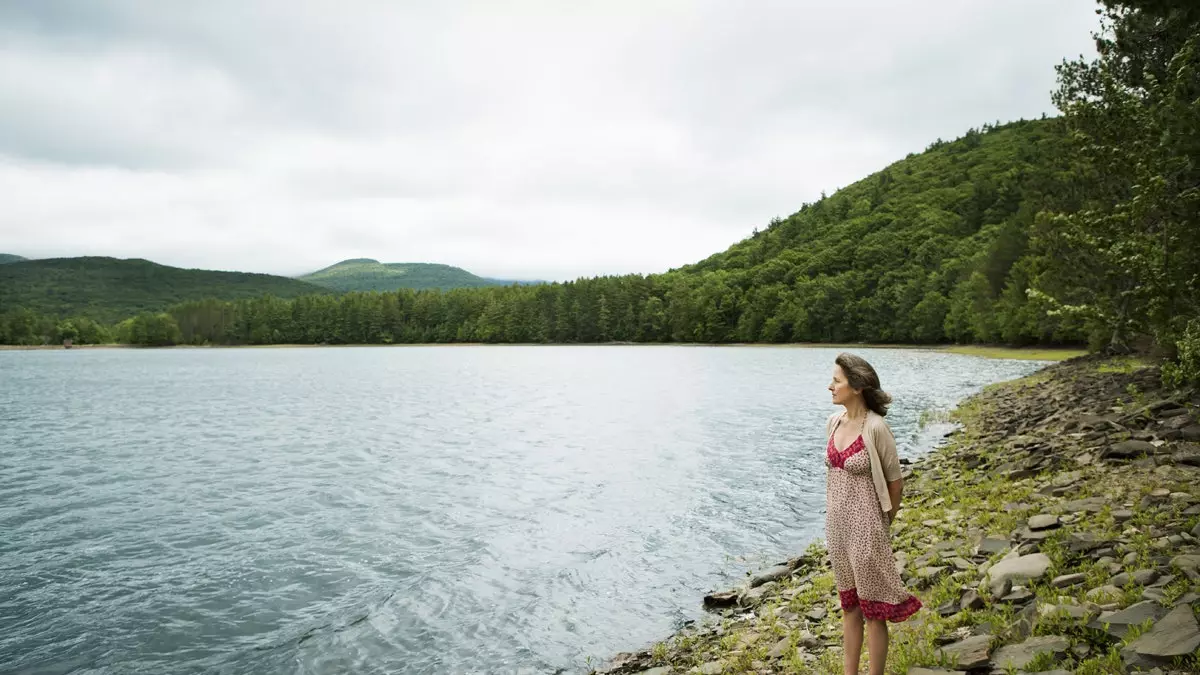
(109, 290)
(1081, 228)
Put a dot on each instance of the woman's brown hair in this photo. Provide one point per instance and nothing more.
(860, 375)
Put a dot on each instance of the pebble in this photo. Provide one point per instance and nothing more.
(1066, 580)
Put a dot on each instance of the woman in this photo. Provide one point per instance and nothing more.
(862, 497)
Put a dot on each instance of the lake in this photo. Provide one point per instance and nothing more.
(408, 509)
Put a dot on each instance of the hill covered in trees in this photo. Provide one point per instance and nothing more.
(110, 289)
(935, 248)
(9, 257)
(364, 274)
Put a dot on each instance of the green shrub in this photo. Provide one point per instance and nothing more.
(1186, 369)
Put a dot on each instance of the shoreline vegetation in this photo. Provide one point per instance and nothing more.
(991, 352)
(1056, 529)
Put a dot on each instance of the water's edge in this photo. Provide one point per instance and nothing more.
(933, 437)
(1018, 524)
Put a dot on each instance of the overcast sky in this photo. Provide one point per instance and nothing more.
(545, 140)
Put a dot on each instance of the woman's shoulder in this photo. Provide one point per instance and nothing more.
(877, 422)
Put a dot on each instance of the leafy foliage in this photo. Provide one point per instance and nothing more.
(363, 274)
(1187, 370)
(108, 289)
(932, 248)
(1128, 252)
(9, 257)
(150, 330)
(23, 327)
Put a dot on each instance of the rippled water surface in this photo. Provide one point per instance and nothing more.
(407, 509)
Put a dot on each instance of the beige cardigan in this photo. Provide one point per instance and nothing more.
(881, 448)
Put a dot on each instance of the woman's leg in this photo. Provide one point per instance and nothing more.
(877, 645)
(852, 638)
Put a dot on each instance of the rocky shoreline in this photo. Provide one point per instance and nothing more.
(1057, 530)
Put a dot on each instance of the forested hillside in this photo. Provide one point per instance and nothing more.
(364, 274)
(9, 257)
(933, 248)
(108, 289)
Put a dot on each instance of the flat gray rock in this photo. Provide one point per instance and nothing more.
(1083, 542)
(971, 600)
(992, 546)
(755, 596)
(1067, 478)
(1188, 598)
(1090, 504)
(780, 649)
(1081, 613)
(1018, 597)
(1155, 594)
(1027, 534)
(1000, 589)
(1120, 581)
(1164, 580)
(1100, 593)
(1188, 563)
(967, 654)
(807, 640)
(1129, 449)
(1068, 580)
(1024, 621)
(1176, 634)
(722, 599)
(930, 573)
(1020, 568)
(1043, 521)
(1117, 624)
(1022, 654)
(774, 574)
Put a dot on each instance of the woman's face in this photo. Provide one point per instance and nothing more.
(840, 388)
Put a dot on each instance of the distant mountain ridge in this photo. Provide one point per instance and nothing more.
(368, 274)
(111, 289)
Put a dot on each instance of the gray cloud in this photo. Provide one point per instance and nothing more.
(520, 139)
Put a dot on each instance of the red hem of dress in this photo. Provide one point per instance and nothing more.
(876, 609)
